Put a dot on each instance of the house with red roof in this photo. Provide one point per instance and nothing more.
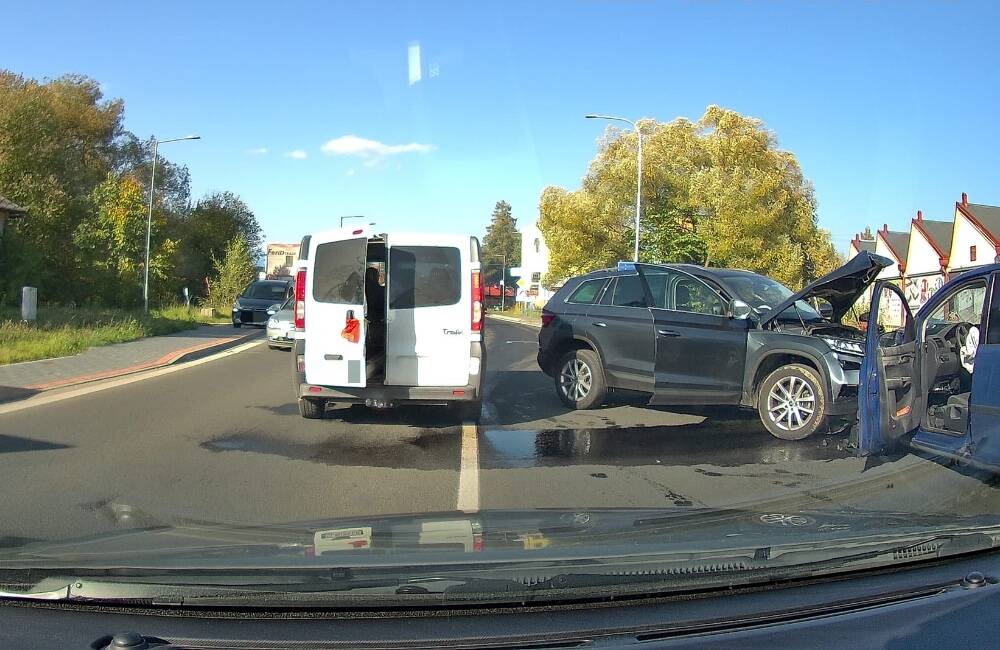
(927, 259)
(975, 236)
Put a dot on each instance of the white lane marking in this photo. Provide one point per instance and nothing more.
(50, 398)
(468, 476)
(509, 342)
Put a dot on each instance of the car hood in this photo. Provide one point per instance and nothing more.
(841, 287)
(436, 538)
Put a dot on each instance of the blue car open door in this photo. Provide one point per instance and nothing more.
(934, 382)
(887, 388)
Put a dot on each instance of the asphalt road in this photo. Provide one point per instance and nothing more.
(222, 441)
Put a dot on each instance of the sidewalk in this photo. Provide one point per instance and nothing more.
(21, 380)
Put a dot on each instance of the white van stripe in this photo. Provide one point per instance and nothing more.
(468, 476)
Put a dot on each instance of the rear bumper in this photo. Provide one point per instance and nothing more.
(472, 392)
(251, 316)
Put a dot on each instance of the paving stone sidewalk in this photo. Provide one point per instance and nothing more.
(21, 380)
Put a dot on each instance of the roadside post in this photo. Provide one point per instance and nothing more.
(29, 303)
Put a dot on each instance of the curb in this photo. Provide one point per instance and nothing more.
(178, 356)
(511, 319)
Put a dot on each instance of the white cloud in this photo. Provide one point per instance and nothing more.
(352, 145)
(298, 154)
(257, 151)
(350, 172)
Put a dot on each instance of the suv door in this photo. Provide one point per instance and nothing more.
(621, 326)
(984, 403)
(700, 349)
(335, 290)
(429, 315)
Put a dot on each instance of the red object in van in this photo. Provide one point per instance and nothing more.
(352, 330)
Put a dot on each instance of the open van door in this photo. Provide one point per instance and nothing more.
(889, 404)
(429, 311)
(334, 309)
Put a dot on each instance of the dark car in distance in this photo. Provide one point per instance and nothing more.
(692, 335)
(251, 307)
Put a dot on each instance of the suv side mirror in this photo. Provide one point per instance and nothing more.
(739, 309)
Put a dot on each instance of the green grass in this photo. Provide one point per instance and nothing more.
(63, 331)
(519, 312)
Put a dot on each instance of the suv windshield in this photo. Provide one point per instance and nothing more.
(265, 291)
(763, 294)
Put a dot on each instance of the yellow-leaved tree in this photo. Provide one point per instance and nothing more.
(718, 191)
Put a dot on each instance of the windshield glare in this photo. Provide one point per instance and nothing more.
(764, 294)
(510, 242)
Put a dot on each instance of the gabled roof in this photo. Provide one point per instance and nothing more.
(937, 233)
(988, 216)
(865, 245)
(11, 207)
(898, 241)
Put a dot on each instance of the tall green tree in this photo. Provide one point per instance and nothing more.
(112, 245)
(57, 142)
(502, 243)
(232, 273)
(207, 231)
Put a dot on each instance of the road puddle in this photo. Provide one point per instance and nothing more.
(708, 443)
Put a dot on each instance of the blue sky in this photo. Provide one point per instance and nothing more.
(889, 106)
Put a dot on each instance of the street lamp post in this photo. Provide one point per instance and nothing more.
(638, 186)
(149, 216)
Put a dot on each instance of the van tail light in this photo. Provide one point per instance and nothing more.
(477, 302)
(300, 300)
(547, 318)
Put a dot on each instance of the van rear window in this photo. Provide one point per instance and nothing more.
(424, 276)
(339, 272)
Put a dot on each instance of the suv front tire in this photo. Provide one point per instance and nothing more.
(791, 402)
(579, 380)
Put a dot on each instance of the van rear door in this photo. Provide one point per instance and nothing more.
(429, 316)
(335, 280)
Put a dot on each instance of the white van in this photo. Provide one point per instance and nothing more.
(385, 319)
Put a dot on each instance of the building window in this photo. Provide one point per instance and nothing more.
(536, 276)
(538, 245)
(972, 253)
(289, 260)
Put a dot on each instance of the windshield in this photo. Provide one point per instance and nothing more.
(265, 291)
(528, 257)
(764, 294)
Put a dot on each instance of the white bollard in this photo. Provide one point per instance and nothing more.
(29, 303)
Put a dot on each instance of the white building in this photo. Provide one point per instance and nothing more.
(975, 239)
(534, 266)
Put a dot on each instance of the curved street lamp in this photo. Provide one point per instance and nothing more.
(638, 186)
(149, 217)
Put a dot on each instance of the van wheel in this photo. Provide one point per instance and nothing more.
(791, 402)
(469, 411)
(311, 408)
(580, 380)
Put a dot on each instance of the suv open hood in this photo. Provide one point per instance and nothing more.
(841, 287)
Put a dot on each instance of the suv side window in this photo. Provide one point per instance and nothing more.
(629, 292)
(679, 292)
(695, 296)
(587, 292)
(609, 292)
